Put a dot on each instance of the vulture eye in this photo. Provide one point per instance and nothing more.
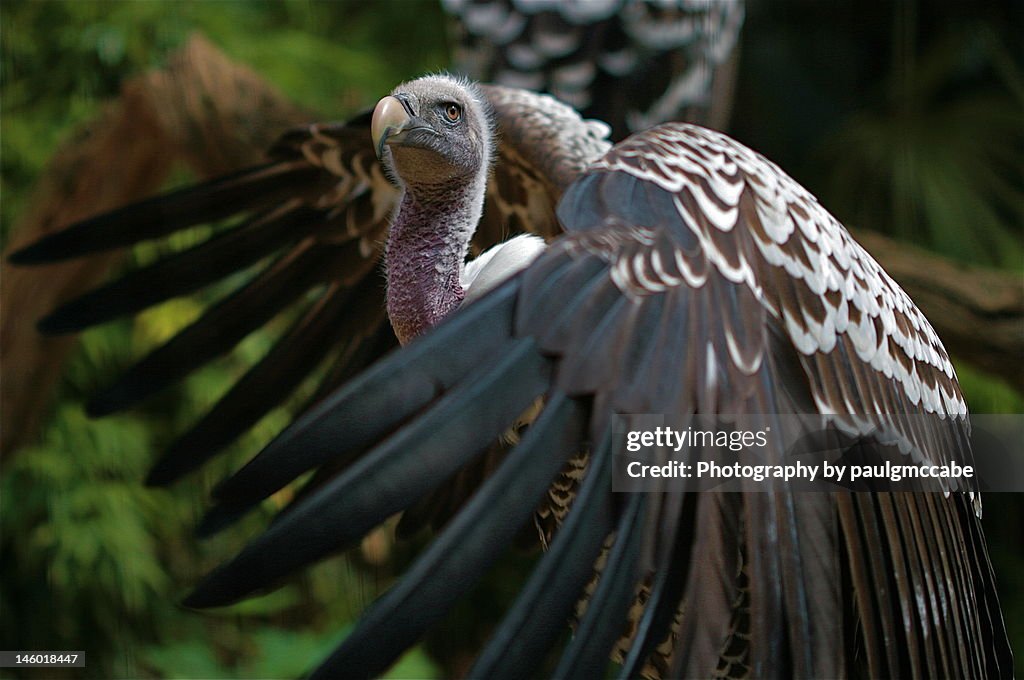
(453, 112)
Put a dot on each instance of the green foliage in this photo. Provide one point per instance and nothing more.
(74, 517)
(941, 163)
(985, 394)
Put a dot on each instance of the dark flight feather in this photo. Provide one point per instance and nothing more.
(332, 320)
(400, 386)
(467, 546)
(186, 271)
(587, 654)
(404, 467)
(245, 190)
(217, 331)
(538, 617)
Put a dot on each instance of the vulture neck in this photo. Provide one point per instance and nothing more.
(425, 254)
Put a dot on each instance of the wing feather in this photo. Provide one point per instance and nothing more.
(219, 329)
(341, 321)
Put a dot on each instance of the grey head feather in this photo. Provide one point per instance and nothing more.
(448, 152)
(441, 156)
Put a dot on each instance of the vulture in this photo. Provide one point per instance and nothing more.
(630, 63)
(677, 272)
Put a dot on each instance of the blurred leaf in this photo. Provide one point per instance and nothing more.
(939, 165)
(184, 659)
(270, 603)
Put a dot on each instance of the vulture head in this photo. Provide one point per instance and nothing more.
(433, 131)
(434, 136)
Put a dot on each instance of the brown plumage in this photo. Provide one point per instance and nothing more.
(685, 275)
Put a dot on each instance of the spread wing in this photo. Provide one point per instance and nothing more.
(630, 63)
(694, 278)
(304, 231)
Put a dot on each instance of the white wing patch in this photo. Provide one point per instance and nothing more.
(499, 263)
(839, 289)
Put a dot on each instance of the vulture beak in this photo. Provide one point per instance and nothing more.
(390, 118)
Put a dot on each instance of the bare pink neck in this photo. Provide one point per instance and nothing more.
(425, 256)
